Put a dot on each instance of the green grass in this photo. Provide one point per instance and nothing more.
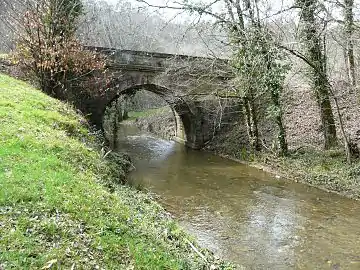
(147, 113)
(55, 210)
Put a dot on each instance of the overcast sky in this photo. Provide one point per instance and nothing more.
(275, 6)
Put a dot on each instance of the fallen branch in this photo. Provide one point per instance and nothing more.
(196, 250)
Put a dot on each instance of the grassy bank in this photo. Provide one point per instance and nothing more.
(56, 210)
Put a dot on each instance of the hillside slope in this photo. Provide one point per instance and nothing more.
(56, 211)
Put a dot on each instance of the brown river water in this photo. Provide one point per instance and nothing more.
(245, 215)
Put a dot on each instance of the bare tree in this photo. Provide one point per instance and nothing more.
(126, 26)
(47, 46)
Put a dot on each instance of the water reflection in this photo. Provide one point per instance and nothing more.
(244, 214)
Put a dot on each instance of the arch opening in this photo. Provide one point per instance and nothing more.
(182, 115)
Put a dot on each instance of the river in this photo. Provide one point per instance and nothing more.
(245, 215)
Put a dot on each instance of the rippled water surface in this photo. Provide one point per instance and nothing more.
(245, 215)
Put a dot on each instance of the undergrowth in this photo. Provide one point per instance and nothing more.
(325, 169)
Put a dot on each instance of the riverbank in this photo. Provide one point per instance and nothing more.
(61, 205)
(326, 170)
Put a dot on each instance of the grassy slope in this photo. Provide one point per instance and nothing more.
(54, 211)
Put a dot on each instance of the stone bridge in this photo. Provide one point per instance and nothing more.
(183, 81)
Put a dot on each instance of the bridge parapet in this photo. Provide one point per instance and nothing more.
(142, 60)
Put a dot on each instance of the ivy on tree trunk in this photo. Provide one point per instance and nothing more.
(318, 73)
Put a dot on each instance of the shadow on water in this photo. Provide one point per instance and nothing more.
(243, 214)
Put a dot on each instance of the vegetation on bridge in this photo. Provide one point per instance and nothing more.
(59, 207)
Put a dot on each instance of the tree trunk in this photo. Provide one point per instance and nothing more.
(319, 77)
(349, 30)
(281, 138)
(252, 123)
(326, 114)
(248, 118)
(342, 129)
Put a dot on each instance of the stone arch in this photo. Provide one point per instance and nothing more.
(183, 113)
